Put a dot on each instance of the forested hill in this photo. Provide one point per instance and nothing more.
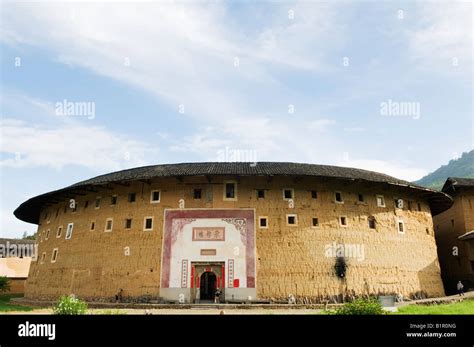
(461, 167)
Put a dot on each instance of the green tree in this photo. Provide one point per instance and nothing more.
(28, 237)
(4, 284)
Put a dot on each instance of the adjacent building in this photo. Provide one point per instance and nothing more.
(15, 260)
(454, 229)
(260, 231)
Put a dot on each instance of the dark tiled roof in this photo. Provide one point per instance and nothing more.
(453, 182)
(222, 168)
(29, 210)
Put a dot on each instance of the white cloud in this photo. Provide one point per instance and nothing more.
(285, 139)
(93, 147)
(319, 125)
(12, 227)
(399, 170)
(183, 53)
(443, 32)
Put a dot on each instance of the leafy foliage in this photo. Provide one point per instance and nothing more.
(28, 237)
(361, 307)
(4, 284)
(70, 305)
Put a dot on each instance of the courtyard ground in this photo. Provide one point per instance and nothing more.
(444, 305)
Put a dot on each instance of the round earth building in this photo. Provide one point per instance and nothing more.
(256, 231)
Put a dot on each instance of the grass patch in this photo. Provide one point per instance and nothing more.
(6, 306)
(464, 307)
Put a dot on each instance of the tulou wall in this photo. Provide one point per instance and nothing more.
(294, 259)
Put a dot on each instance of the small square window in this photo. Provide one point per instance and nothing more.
(260, 194)
(291, 219)
(108, 224)
(97, 203)
(92, 226)
(229, 192)
(113, 200)
(155, 196)
(59, 232)
(360, 197)
(128, 223)
(314, 194)
(148, 223)
(132, 197)
(338, 197)
(43, 256)
(57, 213)
(315, 222)
(288, 194)
(380, 201)
(343, 221)
(371, 222)
(263, 222)
(47, 234)
(54, 256)
(401, 227)
(197, 194)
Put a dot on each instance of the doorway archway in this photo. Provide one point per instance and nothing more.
(208, 285)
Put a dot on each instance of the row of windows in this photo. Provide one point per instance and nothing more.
(54, 256)
(230, 194)
(147, 226)
(292, 220)
(263, 222)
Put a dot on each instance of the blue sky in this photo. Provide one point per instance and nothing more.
(183, 81)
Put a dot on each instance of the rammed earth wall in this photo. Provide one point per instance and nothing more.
(290, 259)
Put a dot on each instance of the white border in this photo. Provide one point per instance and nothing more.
(144, 223)
(52, 255)
(236, 196)
(262, 217)
(112, 226)
(151, 196)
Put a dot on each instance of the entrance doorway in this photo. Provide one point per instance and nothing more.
(208, 286)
